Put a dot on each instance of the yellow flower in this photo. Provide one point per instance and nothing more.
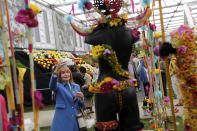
(157, 35)
(124, 16)
(114, 22)
(107, 79)
(90, 88)
(157, 71)
(97, 51)
(149, 101)
(35, 9)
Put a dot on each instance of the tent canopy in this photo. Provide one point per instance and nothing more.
(173, 11)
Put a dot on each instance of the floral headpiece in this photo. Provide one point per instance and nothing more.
(106, 12)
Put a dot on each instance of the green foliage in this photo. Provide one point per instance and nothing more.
(18, 64)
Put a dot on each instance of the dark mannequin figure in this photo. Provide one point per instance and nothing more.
(107, 105)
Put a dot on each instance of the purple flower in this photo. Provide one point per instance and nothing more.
(107, 52)
(167, 100)
(135, 34)
(26, 17)
(181, 29)
(115, 82)
(132, 81)
(88, 5)
(182, 49)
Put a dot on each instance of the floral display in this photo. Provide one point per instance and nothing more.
(110, 84)
(183, 39)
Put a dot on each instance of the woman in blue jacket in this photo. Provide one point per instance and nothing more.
(68, 99)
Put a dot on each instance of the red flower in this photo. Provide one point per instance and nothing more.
(88, 5)
(152, 126)
(107, 1)
(26, 17)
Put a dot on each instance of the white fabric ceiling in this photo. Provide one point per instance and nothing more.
(173, 11)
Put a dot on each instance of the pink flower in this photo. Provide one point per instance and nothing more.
(176, 110)
(107, 52)
(88, 5)
(182, 49)
(156, 51)
(26, 17)
(135, 34)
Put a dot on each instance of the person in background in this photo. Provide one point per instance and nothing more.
(142, 71)
(173, 70)
(133, 70)
(68, 99)
(77, 77)
(85, 87)
(163, 76)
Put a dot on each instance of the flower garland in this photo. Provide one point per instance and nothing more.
(110, 125)
(106, 52)
(110, 84)
(183, 39)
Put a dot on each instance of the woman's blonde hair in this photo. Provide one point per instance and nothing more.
(64, 68)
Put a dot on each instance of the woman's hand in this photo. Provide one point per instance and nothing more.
(80, 95)
(58, 65)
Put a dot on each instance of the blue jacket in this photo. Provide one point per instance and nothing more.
(66, 108)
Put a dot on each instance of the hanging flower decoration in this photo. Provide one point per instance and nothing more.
(183, 39)
(152, 27)
(26, 17)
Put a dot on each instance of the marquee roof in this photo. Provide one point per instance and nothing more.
(173, 11)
